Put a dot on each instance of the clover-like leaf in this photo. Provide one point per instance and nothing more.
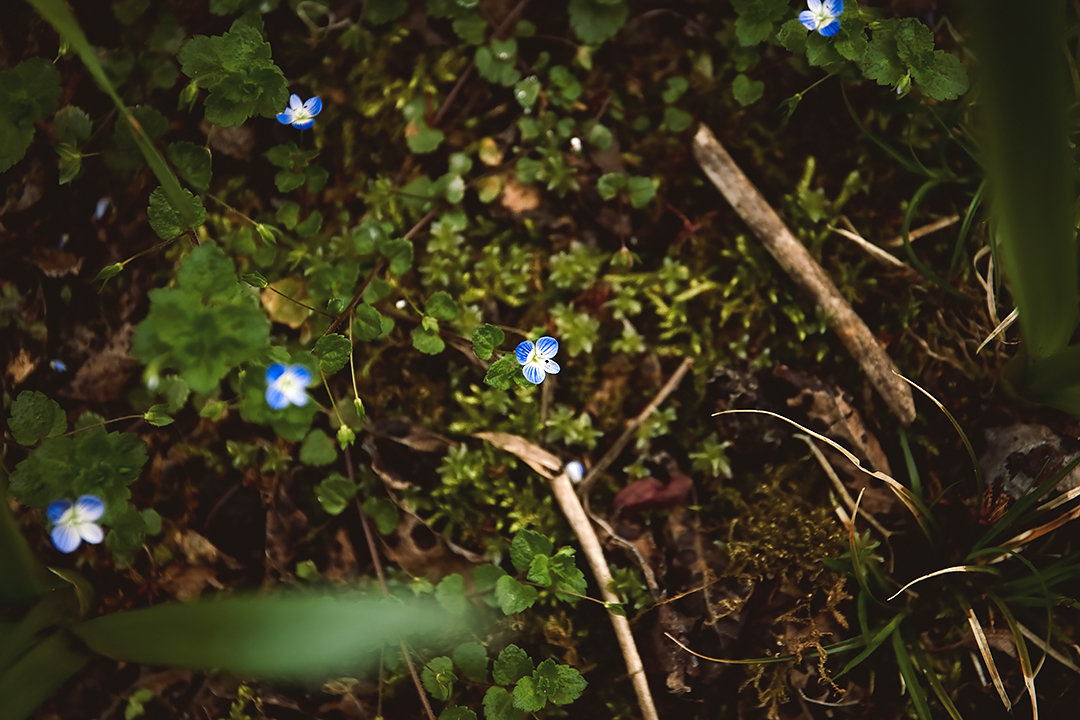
(335, 492)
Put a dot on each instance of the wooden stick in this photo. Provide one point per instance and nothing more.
(801, 267)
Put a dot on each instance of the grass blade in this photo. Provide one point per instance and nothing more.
(37, 674)
(911, 679)
(984, 650)
(1022, 652)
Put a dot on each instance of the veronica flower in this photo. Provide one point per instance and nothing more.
(301, 115)
(74, 523)
(823, 16)
(536, 362)
(286, 385)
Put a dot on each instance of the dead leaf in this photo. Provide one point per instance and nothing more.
(281, 309)
(534, 456)
(236, 142)
(103, 376)
(21, 366)
(518, 198)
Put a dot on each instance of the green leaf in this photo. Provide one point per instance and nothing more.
(384, 512)
(72, 125)
(438, 678)
(127, 533)
(599, 136)
(527, 91)
(512, 596)
(193, 163)
(450, 593)
(747, 91)
(793, 35)
(39, 673)
(615, 608)
(109, 271)
(676, 86)
(641, 190)
(677, 120)
(512, 664)
(539, 570)
(239, 72)
(255, 279)
(944, 79)
(318, 449)
(441, 306)
(525, 545)
(499, 705)
(500, 373)
(820, 51)
(418, 135)
(208, 272)
(568, 684)
(456, 712)
(380, 12)
(595, 21)
(311, 224)
(158, 415)
(568, 578)
(166, 220)
(333, 351)
(472, 658)
(35, 417)
(485, 339)
(400, 254)
(881, 63)
(610, 184)
(335, 492)
(427, 341)
(526, 696)
(300, 637)
(370, 324)
(31, 92)
(70, 162)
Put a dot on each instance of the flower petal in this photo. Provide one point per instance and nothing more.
(65, 538)
(56, 510)
(814, 5)
(551, 367)
(834, 7)
(524, 349)
(547, 347)
(295, 102)
(314, 105)
(830, 29)
(808, 19)
(89, 507)
(295, 394)
(533, 373)
(299, 374)
(285, 118)
(575, 471)
(90, 532)
(274, 372)
(303, 124)
(275, 398)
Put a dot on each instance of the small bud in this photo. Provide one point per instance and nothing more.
(188, 96)
(109, 271)
(345, 436)
(266, 233)
(575, 471)
(358, 404)
(255, 280)
(904, 86)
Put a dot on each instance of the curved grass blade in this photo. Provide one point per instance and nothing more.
(905, 162)
(1021, 651)
(911, 679)
(843, 646)
(965, 226)
(874, 643)
(947, 571)
(912, 468)
(58, 15)
(984, 650)
(299, 637)
(905, 235)
(37, 674)
(935, 682)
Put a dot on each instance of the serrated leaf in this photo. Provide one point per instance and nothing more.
(499, 705)
(333, 351)
(437, 677)
(441, 305)
(166, 220)
(485, 338)
(34, 417)
(501, 372)
(31, 92)
(421, 138)
(512, 664)
(568, 580)
(569, 685)
(427, 341)
(512, 596)
(539, 570)
(472, 658)
(450, 593)
(820, 51)
(193, 162)
(335, 492)
(456, 712)
(318, 449)
(793, 35)
(526, 544)
(944, 79)
(72, 125)
(526, 696)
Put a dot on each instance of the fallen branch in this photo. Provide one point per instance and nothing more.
(801, 267)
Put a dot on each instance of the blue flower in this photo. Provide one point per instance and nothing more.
(823, 16)
(536, 359)
(301, 115)
(75, 522)
(575, 471)
(286, 385)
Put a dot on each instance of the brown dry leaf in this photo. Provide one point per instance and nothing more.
(103, 376)
(534, 456)
(286, 525)
(343, 566)
(21, 366)
(187, 583)
(56, 263)
(236, 142)
(197, 550)
(283, 310)
(422, 552)
(518, 198)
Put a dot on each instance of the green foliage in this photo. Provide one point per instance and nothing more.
(318, 449)
(31, 91)
(497, 63)
(747, 91)
(240, 74)
(92, 462)
(438, 678)
(72, 127)
(499, 705)
(295, 169)
(757, 19)
(420, 137)
(639, 190)
(334, 493)
(166, 220)
(333, 351)
(512, 664)
(485, 338)
(595, 21)
(204, 327)
(193, 164)
(472, 658)
(559, 684)
(34, 417)
(384, 512)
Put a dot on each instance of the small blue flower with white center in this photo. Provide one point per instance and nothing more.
(536, 362)
(823, 16)
(286, 385)
(301, 115)
(575, 471)
(74, 522)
